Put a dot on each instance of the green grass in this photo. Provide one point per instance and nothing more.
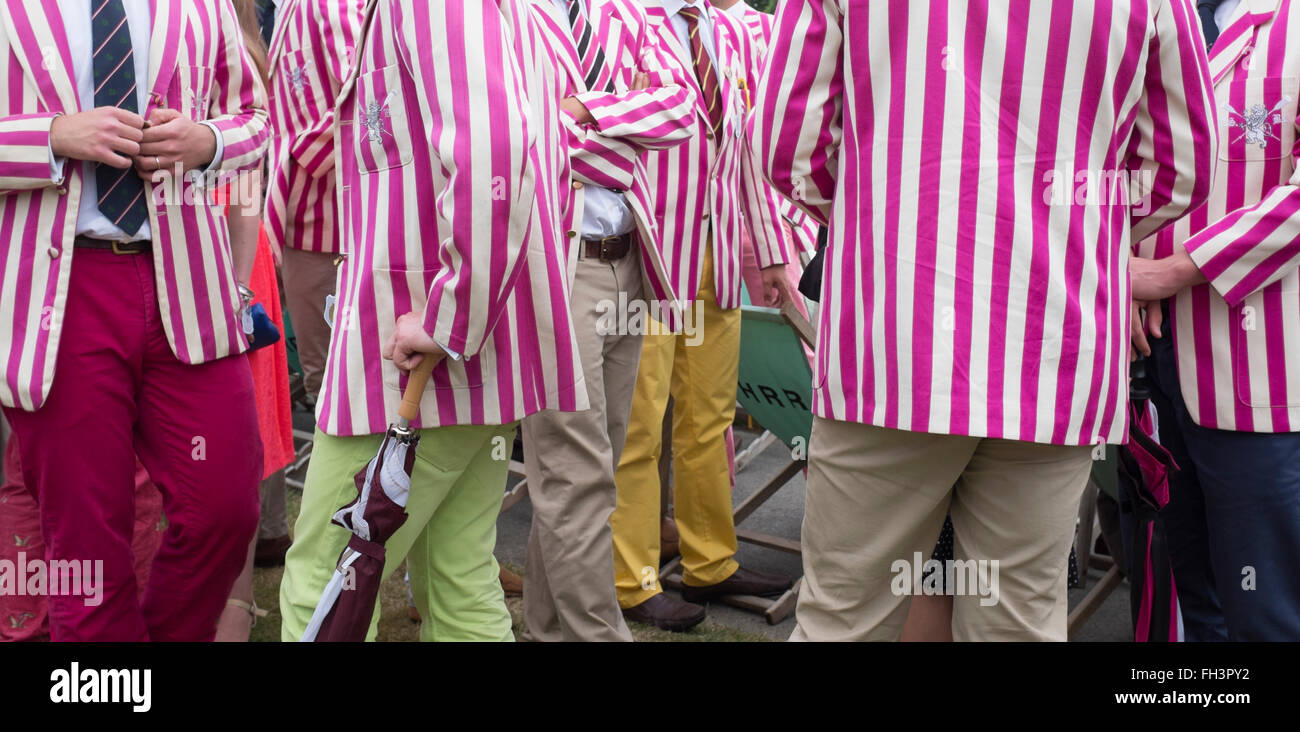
(395, 624)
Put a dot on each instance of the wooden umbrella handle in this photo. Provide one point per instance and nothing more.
(415, 384)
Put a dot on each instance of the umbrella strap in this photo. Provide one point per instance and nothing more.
(371, 549)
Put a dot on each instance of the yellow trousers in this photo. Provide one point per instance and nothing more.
(700, 375)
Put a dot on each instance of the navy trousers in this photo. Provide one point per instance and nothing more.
(1233, 520)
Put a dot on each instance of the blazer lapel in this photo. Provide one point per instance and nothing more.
(363, 37)
(668, 37)
(557, 26)
(727, 50)
(164, 45)
(273, 50)
(1238, 39)
(41, 45)
(608, 30)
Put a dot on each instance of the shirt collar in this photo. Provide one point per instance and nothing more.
(673, 7)
(739, 9)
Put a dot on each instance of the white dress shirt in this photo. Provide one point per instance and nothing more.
(76, 21)
(605, 212)
(738, 10)
(1223, 13)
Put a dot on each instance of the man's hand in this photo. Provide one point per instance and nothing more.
(1158, 279)
(776, 287)
(410, 344)
(577, 110)
(1153, 326)
(106, 135)
(171, 139)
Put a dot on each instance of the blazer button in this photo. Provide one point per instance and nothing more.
(577, 186)
(706, 216)
(571, 234)
(54, 252)
(63, 191)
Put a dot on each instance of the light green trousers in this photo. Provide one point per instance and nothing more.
(449, 536)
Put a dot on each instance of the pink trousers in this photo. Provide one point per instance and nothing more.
(118, 393)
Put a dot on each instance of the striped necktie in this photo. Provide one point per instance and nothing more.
(121, 192)
(704, 71)
(589, 52)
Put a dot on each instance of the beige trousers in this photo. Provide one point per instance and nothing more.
(308, 278)
(876, 504)
(570, 459)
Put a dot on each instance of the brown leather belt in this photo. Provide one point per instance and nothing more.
(143, 246)
(609, 249)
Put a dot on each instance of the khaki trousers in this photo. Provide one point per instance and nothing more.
(876, 502)
(570, 460)
(308, 278)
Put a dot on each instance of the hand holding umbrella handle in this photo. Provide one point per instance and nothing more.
(415, 384)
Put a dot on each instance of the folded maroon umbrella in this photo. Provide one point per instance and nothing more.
(1145, 468)
(347, 605)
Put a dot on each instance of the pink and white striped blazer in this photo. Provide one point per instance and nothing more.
(1238, 337)
(972, 287)
(451, 174)
(627, 125)
(311, 54)
(197, 65)
(703, 188)
(760, 26)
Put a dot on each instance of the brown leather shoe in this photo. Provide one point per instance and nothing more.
(741, 582)
(270, 552)
(512, 583)
(666, 613)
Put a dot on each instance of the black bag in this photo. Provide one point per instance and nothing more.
(810, 285)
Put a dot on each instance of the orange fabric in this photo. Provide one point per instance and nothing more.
(270, 367)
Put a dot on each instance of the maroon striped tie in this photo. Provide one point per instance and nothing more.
(704, 71)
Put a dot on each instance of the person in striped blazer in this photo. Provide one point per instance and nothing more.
(452, 175)
(701, 191)
(123, 309)
(1227, 384)
(622, 98)
(976, 164)
(311, 54)
(801, 230)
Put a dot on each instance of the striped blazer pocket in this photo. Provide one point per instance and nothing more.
(1260, 120)
(1262, 327)
(382, 137)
